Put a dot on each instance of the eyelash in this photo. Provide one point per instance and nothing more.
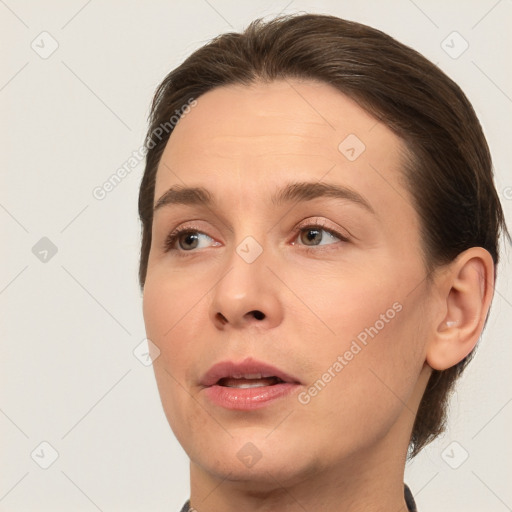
(174, 235)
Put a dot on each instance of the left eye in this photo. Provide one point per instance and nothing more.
(314, 233)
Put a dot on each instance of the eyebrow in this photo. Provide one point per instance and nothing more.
(296, 191)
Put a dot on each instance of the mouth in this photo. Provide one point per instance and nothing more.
(247, 373)
(247, 385)
(256, 380)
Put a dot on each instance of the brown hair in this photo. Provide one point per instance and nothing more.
(449, 170)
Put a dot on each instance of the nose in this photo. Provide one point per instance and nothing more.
(247, 295)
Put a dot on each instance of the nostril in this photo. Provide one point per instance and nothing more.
(222, 318)
(258, 315)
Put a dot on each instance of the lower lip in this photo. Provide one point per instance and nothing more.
(248, 398)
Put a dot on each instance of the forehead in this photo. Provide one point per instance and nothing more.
(263, 135)
(274, 114)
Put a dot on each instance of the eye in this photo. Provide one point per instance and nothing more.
(188, 239)
(311, 235)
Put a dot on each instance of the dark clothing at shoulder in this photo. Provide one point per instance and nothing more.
(409, 499)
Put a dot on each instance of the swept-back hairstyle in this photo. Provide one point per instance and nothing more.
(448, 171)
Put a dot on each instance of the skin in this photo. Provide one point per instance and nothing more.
(344, 450)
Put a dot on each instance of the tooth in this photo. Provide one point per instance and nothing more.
(247, 385)
(246, 376)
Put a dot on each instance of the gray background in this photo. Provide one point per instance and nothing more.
(72, 320)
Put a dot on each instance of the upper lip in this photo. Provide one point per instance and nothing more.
(247, 367)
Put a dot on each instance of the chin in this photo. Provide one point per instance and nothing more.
(257, 461)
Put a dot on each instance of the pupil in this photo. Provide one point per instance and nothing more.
(315, 231)
(188, 236)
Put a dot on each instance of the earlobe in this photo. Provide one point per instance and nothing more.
(466, 290)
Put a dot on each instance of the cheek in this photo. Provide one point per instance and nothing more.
(169, 316)
(176, 314)
(165, 318)
(170, 305)
(366, 372)
(375, 304)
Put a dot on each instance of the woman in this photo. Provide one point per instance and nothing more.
(320, 234)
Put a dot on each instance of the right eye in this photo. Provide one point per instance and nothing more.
(187, 239)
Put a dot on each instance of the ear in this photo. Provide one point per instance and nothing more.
(466, 289)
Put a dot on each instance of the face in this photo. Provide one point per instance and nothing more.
(322, 287)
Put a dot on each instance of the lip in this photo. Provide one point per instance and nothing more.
(246, 398)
